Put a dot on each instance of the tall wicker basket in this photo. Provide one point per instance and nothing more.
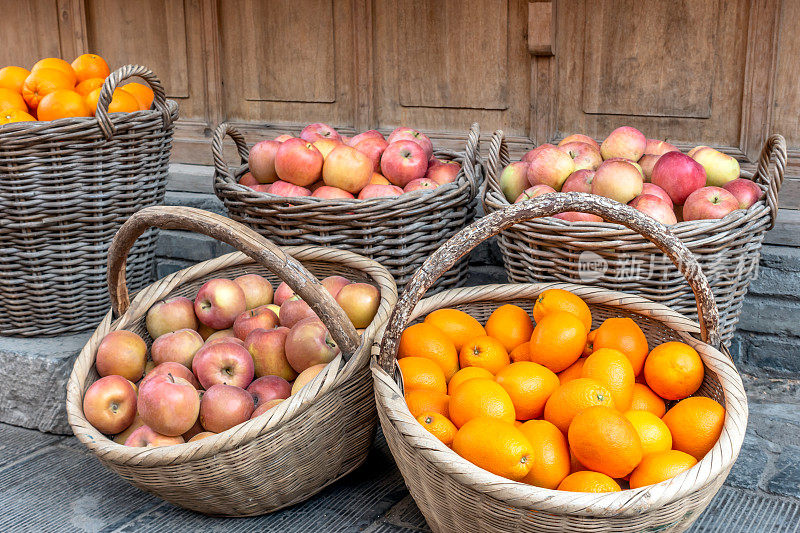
(65, 188)
(287, 454)
(612, 256)
(455, 495)
(399, 232)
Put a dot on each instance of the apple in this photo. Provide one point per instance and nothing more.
(514, 179)
(205, 331)
(443, 172)
(720, 168)
(282, 138)
(168, 404)
(679, 175)
(409, 134)
(709, 203)
(360, 302)
(262, 161)
(655, 190)
(334, 284)
(647, 162)
(549, 165)
(145, 437)
(317, 131)
(257, 290)
(263, 408)
(225, 362)
(275, 309)
(218, 302)
(248, 180)
(579, 181)
(261, 187)
(695, 150)
(110, 404)
(373, 148)
(268, 388)
(332, 193)
(120, 438)
(196, 429)
(306, 376)
(348, 169)
(575, 216)
(619, 180)
(260, 317)
(266, 346)
(282, 293)
(402, 162)
(634, 163)
(625, 142)
(177, 347)
(298, 162)
(747, 192)
(659, 147)
(316, 186)
(420, 184)
(171, 314)
(378, 179)
(309, 343)
(533, 192)
(234, 340)
(584, 156)
(201, 436)
(221, 334)
(325, 146)
(369, 134)
(579, 137)
(122, 353)
(225, 406)
(379, 191)
(171, 367)
(294, 310)
(282, 188)
(655, 207)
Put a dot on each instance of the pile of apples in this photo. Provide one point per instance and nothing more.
(324, 164)
(233, 354)
(652, 176)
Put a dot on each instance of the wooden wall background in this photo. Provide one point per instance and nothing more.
(709, 71)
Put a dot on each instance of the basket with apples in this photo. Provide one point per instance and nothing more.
(245, 400)
(718, 210)
(392, 199)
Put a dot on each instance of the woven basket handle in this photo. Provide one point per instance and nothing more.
(497, 161)
(111, 83)
(774, 151)
(472, 155)
(217, 148)
(543, 206)
(240, 237)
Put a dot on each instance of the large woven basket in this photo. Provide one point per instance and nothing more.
(455, 495)
(612, 256)
(65, 188)
(399, 232)
(285, 455)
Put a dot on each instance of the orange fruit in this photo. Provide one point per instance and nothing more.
(62, 104)
(496, 446)
(121, 101)
(422, 373)
(485, 352)
(557, 340)
(471, 372)
(661, 466)
(572, 372)
(422, 401)
(13, 78)
(695, 424)
(625, 335)
(457, 325)
(89, 85)
(520, 353)
(480, 397)
(90, 66)
(603, 440)
(57, 64)
(587, 481)
(561, 300)
(611, 368)
(425, 340)
(573, 397)
(529, 385)
(644, 399)
(439, 426)
(574, 464)
(653, 432)
(42, 82)
(15, 115)
(10, 99)
(589, 347)
(674, 370)
(550, 461)
(511, 325)
(143, 94)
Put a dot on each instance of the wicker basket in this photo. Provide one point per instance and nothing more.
(65, 188)
(399, 233)
(285, 455)
(611, 256)
(455, 495)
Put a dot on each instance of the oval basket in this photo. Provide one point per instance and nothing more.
(398, 232)
(612, 256)
(455, 495)
(66, 186)
(292, 451)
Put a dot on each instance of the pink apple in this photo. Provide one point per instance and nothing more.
(409, 134)
(120, 438)
(618, 180)
(579, 181)
(171, 314)
(168, 404)
(298, 162)
(268, 388)
(282, 188)
(421, 184)
(260, 317)
(262, 188)
(347, 168)
(709, 203)
(584, 156)
(309, 343)
(379, 191)
(257, 290)
(248, 180)
(369, 134)
(196, 429)
(655, 190)
(575, 216)
(659, 147)
(443, 172)
(306, 376)
(695, 150)
(284, 137)
(634, 163)
(218, 302)
(549, 165)
(262, 161)
(325, 146)
(201, 436)
(294, 310)
(171, 367)
(145, 437)
(110, 404)
(221, 334)
(656, 207)
(647, 162)
(579, 137)
(178, 347)
(373, 148)
(746, 191)
(234, 340)
(205, 331)
(402, 162)
(224, 362)
(514, 180)
(283, 293)
(263, 408)
(332, 193)
(225, 406)
(625, 142)
(334, 284)
(533, 192)
(122, 353)
(266, 346)
(360, 302)
(679, 175)
(318, 130)
(720, 168)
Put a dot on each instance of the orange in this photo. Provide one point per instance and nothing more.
(424, 401)
(496, 446)
(529, 385)
(625, 335)
(89, 85)
(439, 426)
(574, 464)
(142, 93)
(13, 78)
(42, 82)
(589, 347)
(644, 399)
(480, 397)
(561, 300)
(695, 424)
(603, 440)
(457, 325)
(586, 481)
(425, 340)
(573, 397)
(653, 432)
(90, 66)
(15, 115)
(674, 370)
(557, 340)
(62, 104)
(485, 352)
(422, 373)
(511, 325)
(471, 372)
(550, 461)
(10, 99)
(611, 368)
(661, 466)
(520, 353)
(572, 372)
(121, 102)
(57, 64)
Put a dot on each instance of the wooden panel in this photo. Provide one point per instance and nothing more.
(28, 32)
(787, 79)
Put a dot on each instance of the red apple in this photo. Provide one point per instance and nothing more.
(284, 137)
(298, 162)
(575, 216)
(402, 162)
(294, 310)
(360, 302)
(282, 188)
(248, 180)
(347, 168)
(234, 340)
(720, 168)
(655, 190)
(332, 193)
(122, 353)
(309, 343)
(110, 404)
(218, 302)
(618, 180)
(420, 184)
(679, 175)
(225, 406)
(171, 367)
(656, 207)
(533, 192)
(262, 187)
(178, 347)
(325, 146)
(443, 172)
(549, 165)
(373, 148)
(263, 408)
(317, 131)
(625, 142)
(579, 137)
(378, 179)
(201, 436)
(169, 405)
(221, 334)
(584, 156)
(205, 331)
(266, 346)
(647, 162)
(260, 317)
(268, 388)
(369, 134)
(334, 284)
(747, 192)
(409, 134)
(306, 376)
(659, 147)
(283, 293)
(379, 191)
(634, 163)
(709, 203)
(145, 437)
(695, 150)
(514, 180)
(257, 290)
(579, 181)
(120, 438)
(262, 161)
(224, 362)
(196, 429)
(171, 314)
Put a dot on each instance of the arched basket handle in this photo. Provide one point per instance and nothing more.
(217, 148)
(773, 152)
(472, 155)
(113, 81)
(498, 159)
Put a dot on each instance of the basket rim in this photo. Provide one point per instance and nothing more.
(631, 502)
(335, 373)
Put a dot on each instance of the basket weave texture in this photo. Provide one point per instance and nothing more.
(66, 186)
(612, 256)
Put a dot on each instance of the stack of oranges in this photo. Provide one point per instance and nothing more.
(55, 89)
(550, 402)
